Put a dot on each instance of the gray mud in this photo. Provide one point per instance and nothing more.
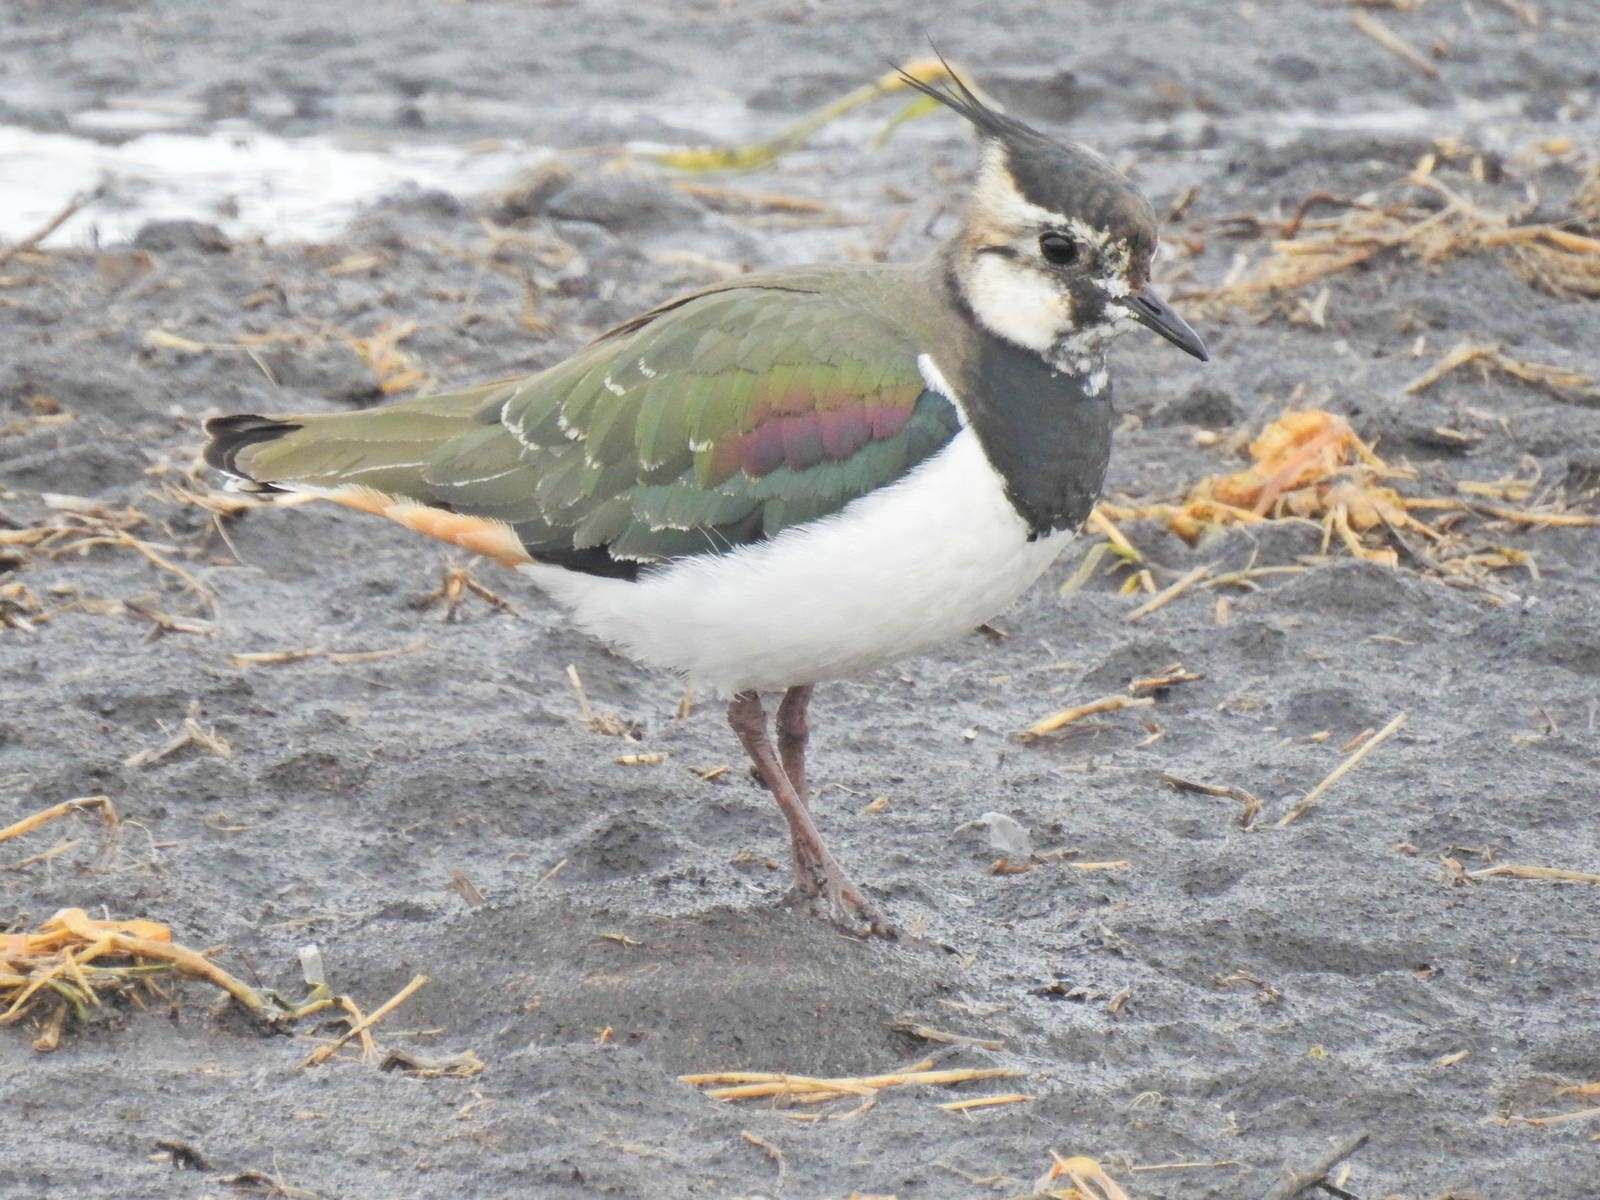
(355, 790)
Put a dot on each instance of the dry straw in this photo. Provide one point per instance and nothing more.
(783, 1088)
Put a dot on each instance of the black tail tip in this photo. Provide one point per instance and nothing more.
(229, 435)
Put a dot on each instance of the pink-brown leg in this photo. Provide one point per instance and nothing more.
(817, 872)
(794, 731)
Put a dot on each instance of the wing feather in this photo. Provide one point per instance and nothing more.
(714, 421)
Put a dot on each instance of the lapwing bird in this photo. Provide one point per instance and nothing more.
(789, 478)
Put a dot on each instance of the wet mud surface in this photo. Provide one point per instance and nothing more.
(1235, 997)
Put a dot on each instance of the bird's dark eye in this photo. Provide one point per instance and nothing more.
(1058, 249)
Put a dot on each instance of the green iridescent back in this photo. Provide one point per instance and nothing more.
(715, 421)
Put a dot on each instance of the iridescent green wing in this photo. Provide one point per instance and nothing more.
(713, 422)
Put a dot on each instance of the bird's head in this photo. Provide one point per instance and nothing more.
(1055, 251)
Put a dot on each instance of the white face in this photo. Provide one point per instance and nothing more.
(1020, 294)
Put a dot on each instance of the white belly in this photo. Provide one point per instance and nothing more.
(926, 559)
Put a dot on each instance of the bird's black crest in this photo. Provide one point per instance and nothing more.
(960, 98)
(1055, 175)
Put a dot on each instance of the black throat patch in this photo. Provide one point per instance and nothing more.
(1041, 429)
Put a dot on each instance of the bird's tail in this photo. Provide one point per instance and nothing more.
(231, 435)
(375, 461)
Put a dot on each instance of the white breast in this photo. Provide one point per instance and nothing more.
(925, 559)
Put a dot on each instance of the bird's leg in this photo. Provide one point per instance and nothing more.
(751, 726)
(794, 731)
(817, 872)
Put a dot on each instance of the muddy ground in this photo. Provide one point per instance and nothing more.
(1391, 997)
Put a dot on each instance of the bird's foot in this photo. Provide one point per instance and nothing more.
(822, 885)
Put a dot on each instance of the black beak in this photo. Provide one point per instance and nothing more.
(1151, 311)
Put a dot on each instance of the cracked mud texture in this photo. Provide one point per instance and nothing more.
(355, 790)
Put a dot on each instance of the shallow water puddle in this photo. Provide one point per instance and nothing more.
(247, 182)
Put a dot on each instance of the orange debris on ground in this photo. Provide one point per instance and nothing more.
(72, 925)
(1308, 463)
(72, 960)
(1311, 465)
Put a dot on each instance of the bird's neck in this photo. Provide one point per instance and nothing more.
(1044, 425)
